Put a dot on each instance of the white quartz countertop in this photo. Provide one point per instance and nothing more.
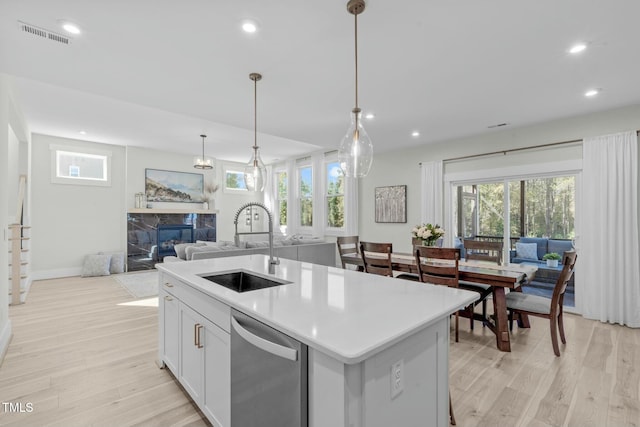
(346, 314)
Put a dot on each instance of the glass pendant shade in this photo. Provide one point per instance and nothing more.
(356, 150)
(255, 173)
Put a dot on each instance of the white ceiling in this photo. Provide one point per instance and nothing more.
(159, 73)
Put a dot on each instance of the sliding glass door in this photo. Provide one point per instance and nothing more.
(537, 209)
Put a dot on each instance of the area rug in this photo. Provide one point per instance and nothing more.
(139, 285)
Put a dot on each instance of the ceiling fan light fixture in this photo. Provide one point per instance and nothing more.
(255, 172)
(203, 162)
(356, 150)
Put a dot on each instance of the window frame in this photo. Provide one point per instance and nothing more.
(325, 183)
(104, 155)
(233, 169)
(299, 166)
(276, 199)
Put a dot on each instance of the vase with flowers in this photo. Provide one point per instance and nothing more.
(426, 234)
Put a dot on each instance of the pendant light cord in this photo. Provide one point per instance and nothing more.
(356, 55)
(255, 115)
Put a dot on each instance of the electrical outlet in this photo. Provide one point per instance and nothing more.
(397, 378)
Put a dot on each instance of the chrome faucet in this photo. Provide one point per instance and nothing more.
(272, 261)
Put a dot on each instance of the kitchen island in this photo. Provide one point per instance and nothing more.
(377, 347)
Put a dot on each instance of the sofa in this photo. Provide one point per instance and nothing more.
(306, 249)
(526, 252)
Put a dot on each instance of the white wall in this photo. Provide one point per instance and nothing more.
(401, 167)
(13, 130)
(71, 221)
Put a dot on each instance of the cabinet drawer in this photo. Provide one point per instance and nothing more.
(207, 306)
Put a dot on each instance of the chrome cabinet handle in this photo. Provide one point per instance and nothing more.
(168, 285)
(168, 298)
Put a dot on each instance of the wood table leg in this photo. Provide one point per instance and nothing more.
(523, 319)
(500, 312)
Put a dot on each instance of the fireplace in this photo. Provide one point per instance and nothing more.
(170, 235)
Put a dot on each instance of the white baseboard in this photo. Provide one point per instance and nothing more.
(56, 273)
(5, 338)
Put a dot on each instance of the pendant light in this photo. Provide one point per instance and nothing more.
(356, 151)
(203, 162)
(255, 173)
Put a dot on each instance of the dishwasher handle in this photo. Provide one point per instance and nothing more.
(266, 345)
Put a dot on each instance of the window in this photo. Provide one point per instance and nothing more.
(87, 167)
(334, 195)
(281, 197)
(234, 180)
(305, 191)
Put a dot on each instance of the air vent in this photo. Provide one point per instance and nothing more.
(41, 32)
(499, 125)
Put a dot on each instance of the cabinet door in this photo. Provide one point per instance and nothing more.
(217, 374)
(170, 331)
(191, 354)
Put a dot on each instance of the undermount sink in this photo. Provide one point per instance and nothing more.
(242, 281)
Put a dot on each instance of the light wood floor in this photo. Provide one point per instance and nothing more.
(83, 359)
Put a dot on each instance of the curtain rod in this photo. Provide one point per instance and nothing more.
(551, 144)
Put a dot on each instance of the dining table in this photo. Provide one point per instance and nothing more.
(499, 277)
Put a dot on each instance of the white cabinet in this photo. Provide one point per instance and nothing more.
(196, 349)
(169, 342)
(217, 375)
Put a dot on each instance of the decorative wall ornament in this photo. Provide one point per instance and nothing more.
(391, 203)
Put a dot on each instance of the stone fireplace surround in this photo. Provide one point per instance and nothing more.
(143, 251)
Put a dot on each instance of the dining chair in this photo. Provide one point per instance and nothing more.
(481, 251)
(348, 245)
(440, 267)
(376, 258)
(519, 303)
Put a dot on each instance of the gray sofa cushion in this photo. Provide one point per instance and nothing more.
(560, 246)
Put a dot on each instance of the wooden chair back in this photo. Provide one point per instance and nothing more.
(347, 245)
(568, 266)
(377, 258)
(483, 250)
(442, 265)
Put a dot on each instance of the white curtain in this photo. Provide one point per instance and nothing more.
(431, 179)
(609, 253)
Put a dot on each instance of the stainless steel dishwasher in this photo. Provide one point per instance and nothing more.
(268, 376)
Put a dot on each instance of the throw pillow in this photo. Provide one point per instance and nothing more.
(527, 251)
(96, 265)
(116, 265)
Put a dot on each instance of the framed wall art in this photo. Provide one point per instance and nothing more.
(391, 203)
(173, 186)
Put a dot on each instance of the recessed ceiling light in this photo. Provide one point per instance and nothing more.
(82, 132)
(415, 133)
(591, 92)
(577, 48)
(249, 27)
(370, 116)
(70, 27)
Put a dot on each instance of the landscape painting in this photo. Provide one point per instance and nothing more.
(172, 186)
